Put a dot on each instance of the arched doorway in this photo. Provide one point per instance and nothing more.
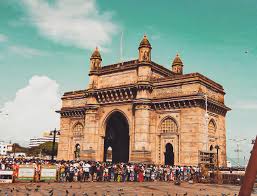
(77, 151)
(169, 154)
(117, 137)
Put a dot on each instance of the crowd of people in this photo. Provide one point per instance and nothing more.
(83, 171)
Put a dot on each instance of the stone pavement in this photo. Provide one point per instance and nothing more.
(119, 189)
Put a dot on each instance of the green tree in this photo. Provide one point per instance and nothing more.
(18, 148)
(47, 148)
(44, 149)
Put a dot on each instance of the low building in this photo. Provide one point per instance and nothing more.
(3, 148)
(46, 137)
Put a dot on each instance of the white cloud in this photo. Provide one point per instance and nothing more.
(3, 38)
(32, 111)
(246, 105)
(26, 51)
(78, 22)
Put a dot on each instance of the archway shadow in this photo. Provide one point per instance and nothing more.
(169, 154)
(117, 137)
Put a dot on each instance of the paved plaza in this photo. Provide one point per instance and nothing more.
(113, 188)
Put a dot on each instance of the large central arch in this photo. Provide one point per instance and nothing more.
(117, 137)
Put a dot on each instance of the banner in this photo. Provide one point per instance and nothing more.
(6, 176)
(48, 173)
(26, 173)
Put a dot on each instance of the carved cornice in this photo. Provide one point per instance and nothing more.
(187, 79)
(190, 101)
(126, 93)
(133, 64)
(72, 112)
(75, 93)
(142, 106)
(144, 86)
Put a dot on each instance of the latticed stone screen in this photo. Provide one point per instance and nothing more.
(78, 130)
(169, 126)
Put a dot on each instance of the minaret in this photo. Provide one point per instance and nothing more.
(95, 64)
(95, 60)
(177, 65)
(144, 50)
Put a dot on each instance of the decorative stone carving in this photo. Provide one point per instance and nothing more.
(145, 93)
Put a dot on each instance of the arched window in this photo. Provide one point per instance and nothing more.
(78, 130)
(211, 128)
(169, 126)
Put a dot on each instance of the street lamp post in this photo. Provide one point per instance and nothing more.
(54, 132)
(14, 150)
(217, 148)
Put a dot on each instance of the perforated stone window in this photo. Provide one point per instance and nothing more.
(78, 130)
(168, 126)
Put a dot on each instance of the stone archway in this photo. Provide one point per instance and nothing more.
(169, 154)
(117, 137)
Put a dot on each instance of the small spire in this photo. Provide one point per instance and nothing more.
(145, 42)
(96, 54)
(177, 60)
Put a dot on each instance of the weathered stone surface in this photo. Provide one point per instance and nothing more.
(146, 94)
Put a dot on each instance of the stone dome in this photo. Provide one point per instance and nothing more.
(177, 61)
(145, 43)
(96, 54)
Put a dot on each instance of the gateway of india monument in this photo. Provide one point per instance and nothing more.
(140, 111)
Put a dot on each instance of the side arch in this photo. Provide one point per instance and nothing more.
(168, 120)
(213, 123)
(212, 128)
(78, 122)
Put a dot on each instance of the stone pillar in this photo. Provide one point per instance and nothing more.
(90, 144)
(221, 141)
(63, 146)
(141, 149)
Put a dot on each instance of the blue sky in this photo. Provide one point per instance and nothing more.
(50, 42)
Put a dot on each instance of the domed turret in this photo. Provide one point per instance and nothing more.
(145, 43)
(95, 59)
(96, 54)
(144, 50)
(177, 65)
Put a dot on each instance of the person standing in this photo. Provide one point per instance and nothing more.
(140, 175)
(86, 169)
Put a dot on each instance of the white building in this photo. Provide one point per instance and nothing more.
(3, 148)
(47, 137)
